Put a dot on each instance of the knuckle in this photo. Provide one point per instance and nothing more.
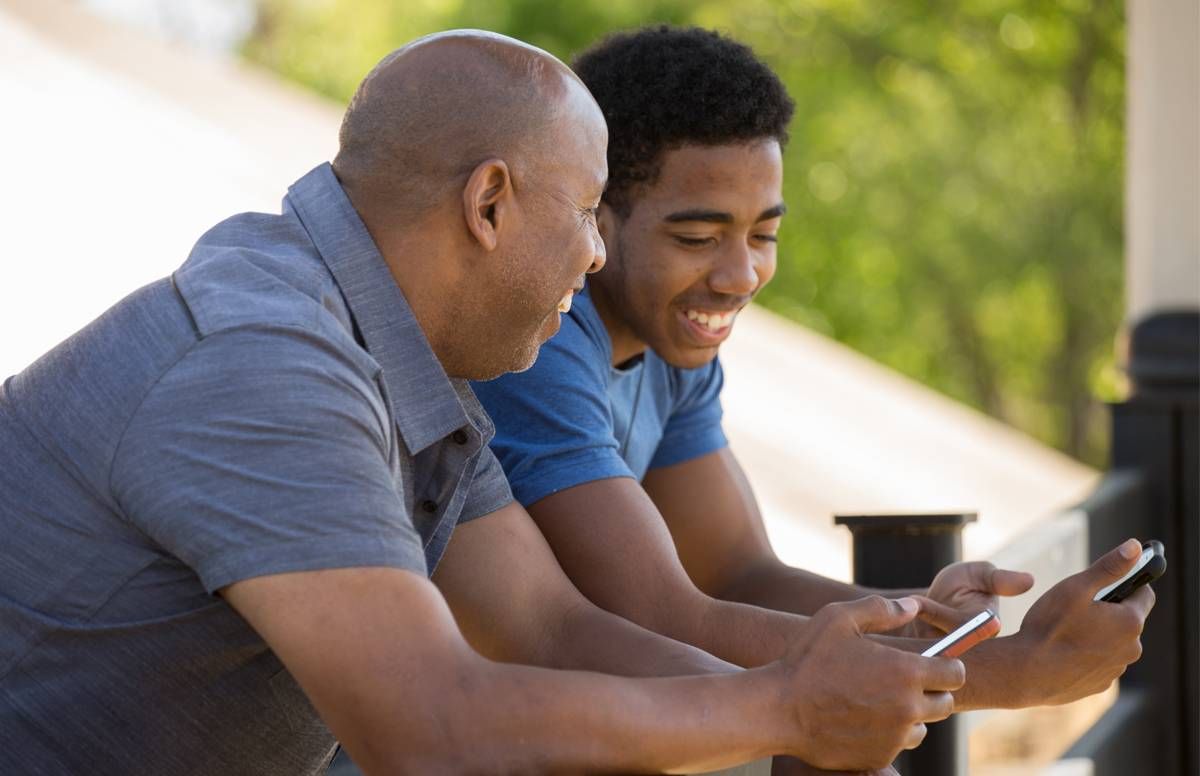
(960, 674)
(877, 602)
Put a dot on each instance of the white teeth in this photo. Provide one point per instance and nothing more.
(711, 321)
(564, 305)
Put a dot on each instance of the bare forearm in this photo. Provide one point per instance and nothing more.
(591, 639)
(775, 585)
(743, 634)
(994, 677)
(570, 722)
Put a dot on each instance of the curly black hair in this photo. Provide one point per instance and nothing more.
(664, 87)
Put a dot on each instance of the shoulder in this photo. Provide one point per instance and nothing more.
(260, 270)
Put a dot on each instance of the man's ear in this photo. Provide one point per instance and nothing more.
(487, 198)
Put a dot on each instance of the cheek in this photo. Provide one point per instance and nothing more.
(766, 269)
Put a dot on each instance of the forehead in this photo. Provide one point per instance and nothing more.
(739, 179)
(581, 140)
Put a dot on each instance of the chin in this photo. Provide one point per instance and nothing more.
(691, 357)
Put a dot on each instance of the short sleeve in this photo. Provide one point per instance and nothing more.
(694, 427)
(554, 428)
(489, 488)
(265, 450)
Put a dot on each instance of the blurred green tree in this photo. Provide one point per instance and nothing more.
(954, 174)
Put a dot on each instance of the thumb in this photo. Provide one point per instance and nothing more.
(1005, 582)
(1113, 565)
(876, 614)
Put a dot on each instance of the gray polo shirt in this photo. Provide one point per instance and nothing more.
(271, 407)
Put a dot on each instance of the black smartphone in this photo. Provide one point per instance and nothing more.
(1149, 567)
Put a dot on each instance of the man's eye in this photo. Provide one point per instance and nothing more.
(694, 242)
(766, 238)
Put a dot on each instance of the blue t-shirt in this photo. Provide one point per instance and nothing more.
(574, 417)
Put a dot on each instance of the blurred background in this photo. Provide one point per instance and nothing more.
(939, 335)
(954, 176)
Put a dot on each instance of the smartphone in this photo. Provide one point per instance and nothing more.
(1149, 567)
(982, 626)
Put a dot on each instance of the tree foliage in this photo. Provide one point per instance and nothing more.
(954, 176)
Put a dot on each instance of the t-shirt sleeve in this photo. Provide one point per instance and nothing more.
(554, 428)
(265, 450)
(489, 488)
(694, 427)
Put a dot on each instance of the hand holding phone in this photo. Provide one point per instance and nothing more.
(1149, 567)
(982, 626)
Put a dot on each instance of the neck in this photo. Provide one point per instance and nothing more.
(418, 269)
(625, 344)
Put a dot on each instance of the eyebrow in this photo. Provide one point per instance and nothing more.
(720, 216)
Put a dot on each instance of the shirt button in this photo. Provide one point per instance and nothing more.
(459, 436)
(429, 506)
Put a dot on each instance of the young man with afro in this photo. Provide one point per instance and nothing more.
(613, 439)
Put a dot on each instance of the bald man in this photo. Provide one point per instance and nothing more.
(221, 500)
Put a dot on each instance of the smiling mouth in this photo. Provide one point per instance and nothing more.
(712, 320)
(564, 304)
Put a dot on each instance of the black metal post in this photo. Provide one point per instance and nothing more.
(907, 551)
(1156, 433)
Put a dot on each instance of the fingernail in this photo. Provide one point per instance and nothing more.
(909, 605)
(1130, 549)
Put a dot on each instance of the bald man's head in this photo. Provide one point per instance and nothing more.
(433, 110)
(477, 163)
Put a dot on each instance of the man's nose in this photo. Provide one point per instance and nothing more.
(736, 272)
(599, 255)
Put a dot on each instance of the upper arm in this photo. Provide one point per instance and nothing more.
(615, 547)
(505, 588)
(713, 518)
(376, 651)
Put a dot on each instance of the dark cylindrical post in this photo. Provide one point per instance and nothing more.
(1156, 432)
(907, 551)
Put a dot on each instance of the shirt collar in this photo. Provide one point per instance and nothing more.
(425, 402)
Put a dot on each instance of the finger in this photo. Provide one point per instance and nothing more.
(1142, 601)
(937, 706)
(944, 618)
(942, 673)
(876, 614)
(1113, 565)
(916, 734)
(1005, 582)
